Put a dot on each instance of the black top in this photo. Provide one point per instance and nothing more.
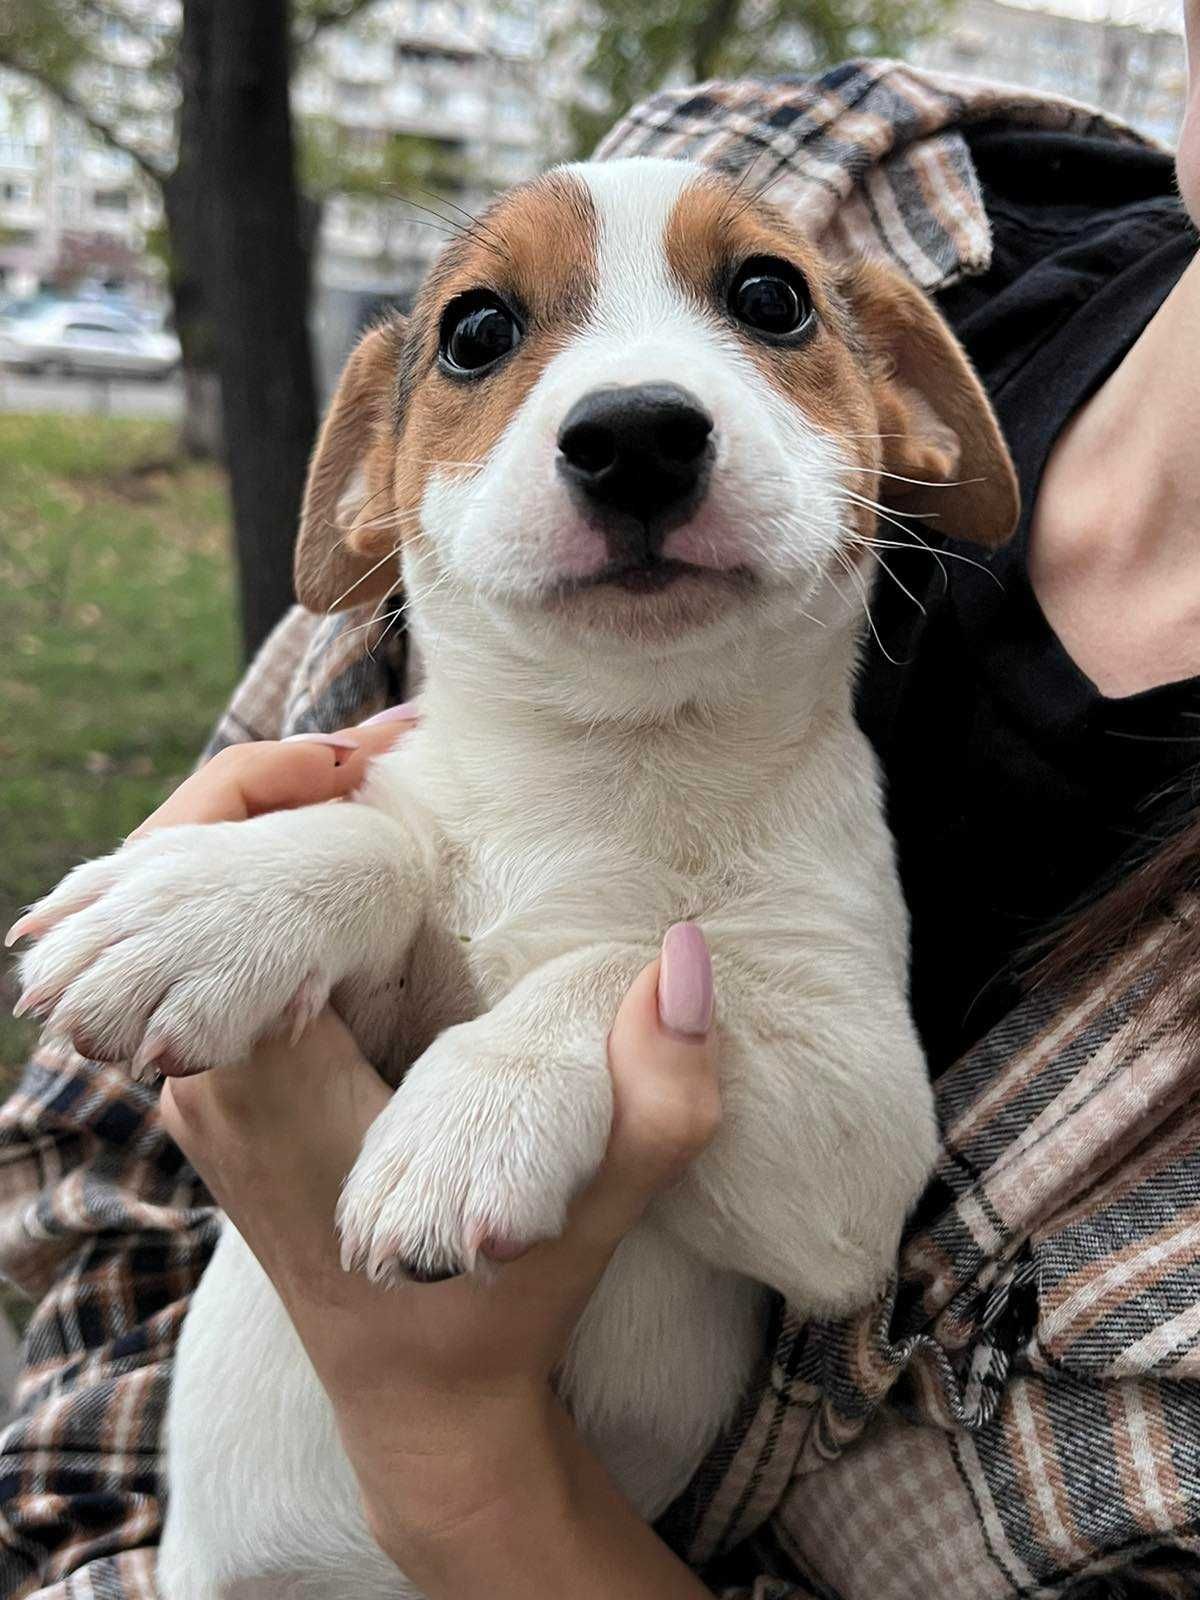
(1016, 788)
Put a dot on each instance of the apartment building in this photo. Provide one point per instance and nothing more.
(1137, 73)
(66, 198)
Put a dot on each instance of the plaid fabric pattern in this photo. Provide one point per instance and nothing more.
(1019, 1416)
(868, 158)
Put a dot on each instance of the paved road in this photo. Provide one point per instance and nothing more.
(114, 397)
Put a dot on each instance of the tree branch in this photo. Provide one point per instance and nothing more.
(70, 101)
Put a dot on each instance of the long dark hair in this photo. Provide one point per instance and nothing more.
(1158, 893)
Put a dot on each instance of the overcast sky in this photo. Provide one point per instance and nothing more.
(1150, 13)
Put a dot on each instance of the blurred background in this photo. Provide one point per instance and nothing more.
(201, 203)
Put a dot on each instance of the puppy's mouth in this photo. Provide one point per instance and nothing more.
(650, 575)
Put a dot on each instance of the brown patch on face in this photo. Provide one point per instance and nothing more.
(879, 371)
(714, 230)
(397, 416)
(536, 250)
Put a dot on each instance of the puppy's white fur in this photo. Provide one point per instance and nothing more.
(570, 793)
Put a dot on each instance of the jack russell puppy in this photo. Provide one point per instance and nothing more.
(629, 445)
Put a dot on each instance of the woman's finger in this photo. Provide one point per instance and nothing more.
(246, 780)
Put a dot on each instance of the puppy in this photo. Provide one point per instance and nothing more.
(629, 447)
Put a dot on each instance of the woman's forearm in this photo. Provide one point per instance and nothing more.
(564, 1529)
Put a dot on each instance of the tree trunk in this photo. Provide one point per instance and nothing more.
(200, 433)
(234, 63)
(201, 436)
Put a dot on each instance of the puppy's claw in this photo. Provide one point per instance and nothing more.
(143, 1068)
(306, 1005)
(36, 1002)
(28, 926)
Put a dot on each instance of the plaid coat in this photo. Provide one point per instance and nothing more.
(1019, 1416)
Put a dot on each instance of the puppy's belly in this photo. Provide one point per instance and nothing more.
(258, 1483)
(260, 1487)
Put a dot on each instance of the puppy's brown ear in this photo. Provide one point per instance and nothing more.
(346, 525)
(938, 424)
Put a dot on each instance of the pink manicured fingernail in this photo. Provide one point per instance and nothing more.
(339, 743)
(408, 712)
(685, 981)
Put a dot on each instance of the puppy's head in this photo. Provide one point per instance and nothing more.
(634, 402)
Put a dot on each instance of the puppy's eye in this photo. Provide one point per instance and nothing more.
(771, 297)
(477, 330)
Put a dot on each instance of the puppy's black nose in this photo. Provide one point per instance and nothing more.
(642, 453)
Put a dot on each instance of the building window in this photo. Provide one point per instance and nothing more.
(16, 192)
(16, 152)
(116, 200)
(512, 107)
(355, 96)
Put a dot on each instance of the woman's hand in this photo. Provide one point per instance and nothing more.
(473, 1478)
(244, 780)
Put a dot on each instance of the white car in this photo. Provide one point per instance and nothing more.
(82, 337)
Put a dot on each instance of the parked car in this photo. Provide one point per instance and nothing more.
(85, 337)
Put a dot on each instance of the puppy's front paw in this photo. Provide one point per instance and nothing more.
(174, 952)
(481, 1149)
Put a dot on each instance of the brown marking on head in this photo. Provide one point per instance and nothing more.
(397, 416)
(936, 422)
(878, 370)
(333, 564)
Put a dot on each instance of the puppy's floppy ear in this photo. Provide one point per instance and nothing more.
(346, 528)
(937, 422)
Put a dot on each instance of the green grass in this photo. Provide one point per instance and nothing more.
(119, 647)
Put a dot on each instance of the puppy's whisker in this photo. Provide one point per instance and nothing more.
(857, 579)
(939, 553)
(736, 191)
(880, 512)
(370, 572)
(477, 223)
(927, 483)
(385, 519)
(834, 434)
(898, 477)
(438, 227)
(867, 544)
(455, 230)
(780, 171)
